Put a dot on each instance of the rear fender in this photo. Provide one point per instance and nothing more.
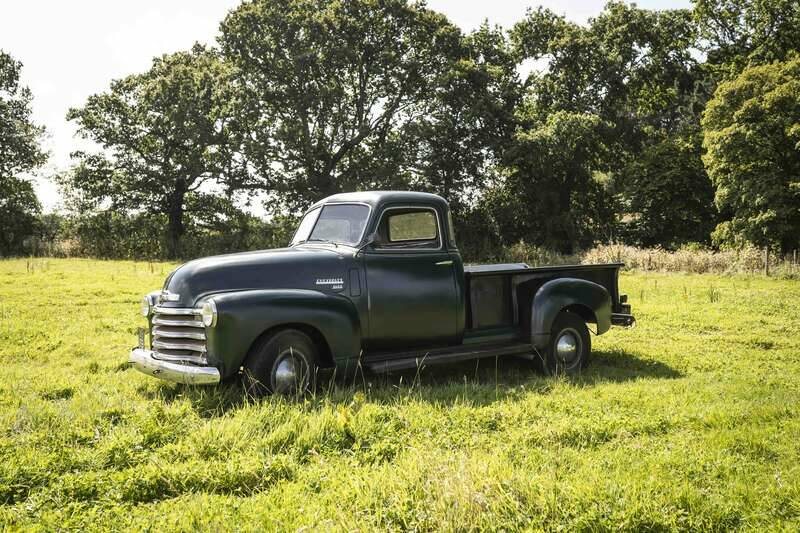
(243, 316)
(590, 300)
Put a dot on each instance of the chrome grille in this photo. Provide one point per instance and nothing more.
(178, 334)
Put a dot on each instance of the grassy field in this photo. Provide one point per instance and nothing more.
(689, 421)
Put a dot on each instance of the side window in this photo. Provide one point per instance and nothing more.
(409, 228)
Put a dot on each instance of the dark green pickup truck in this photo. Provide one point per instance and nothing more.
(375, 280)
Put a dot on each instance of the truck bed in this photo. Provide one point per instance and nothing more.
(499, 296)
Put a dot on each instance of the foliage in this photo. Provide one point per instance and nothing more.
(165, 133)
(628, 81)
(550, 195)
(741, 33)
(454, 147)
(323, 85)
(225, 229)
(600, 142)
(20, 152)
(668, 197)
(19, 208)
(752, 142)
(698, 433)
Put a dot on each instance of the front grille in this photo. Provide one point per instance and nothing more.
(178, 334)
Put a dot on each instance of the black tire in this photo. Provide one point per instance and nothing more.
(283, 363)
(570, 330)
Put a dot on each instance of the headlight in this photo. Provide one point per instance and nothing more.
(209, 314)
(146, 306)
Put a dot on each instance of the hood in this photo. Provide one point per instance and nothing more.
(285, 268)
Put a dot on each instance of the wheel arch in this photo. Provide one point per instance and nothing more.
(320, 342)
(248, 317)
(588, 300)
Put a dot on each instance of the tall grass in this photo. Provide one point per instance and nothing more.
(693, 260)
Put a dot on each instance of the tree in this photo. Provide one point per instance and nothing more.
(19, 209)
(20, 152)
(631, 67)
(752, 139)
(739, 33)
(165, 133)
(550, 196)
(667, 195)
(633, 71)
(468, 122)
(324, 85)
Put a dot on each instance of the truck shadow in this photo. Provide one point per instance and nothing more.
(487, 380)
(479, 382)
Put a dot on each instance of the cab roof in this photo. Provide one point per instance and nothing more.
(379, 198)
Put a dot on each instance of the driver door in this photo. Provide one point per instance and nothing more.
(410, 282)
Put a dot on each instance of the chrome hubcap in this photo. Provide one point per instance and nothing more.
(567, 346)
(291, 372)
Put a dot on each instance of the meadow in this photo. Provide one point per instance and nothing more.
(690, 421)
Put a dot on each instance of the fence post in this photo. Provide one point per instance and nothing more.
(766, 260)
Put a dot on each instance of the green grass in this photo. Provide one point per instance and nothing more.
(689, 421)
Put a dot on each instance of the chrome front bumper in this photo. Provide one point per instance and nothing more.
(143, 361)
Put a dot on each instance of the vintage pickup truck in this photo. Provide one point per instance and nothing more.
(371, 280)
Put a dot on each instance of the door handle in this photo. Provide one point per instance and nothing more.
(445, 263)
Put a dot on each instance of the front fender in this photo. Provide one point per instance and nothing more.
(589, 298)
(243, 316)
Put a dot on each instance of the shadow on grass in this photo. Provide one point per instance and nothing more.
(478, 382)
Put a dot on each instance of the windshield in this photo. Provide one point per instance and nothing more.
(343, 224)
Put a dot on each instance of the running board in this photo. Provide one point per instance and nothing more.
(408, 360)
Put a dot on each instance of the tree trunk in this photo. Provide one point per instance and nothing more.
(566, 242)
(175, 228)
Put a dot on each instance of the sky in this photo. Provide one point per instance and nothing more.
(73, 49)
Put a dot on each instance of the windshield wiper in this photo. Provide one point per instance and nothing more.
(336, 244)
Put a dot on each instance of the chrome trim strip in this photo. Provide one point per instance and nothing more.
(180, 346)
(198, 360)
(177, 323)
(160, 332)
(143, 361)
(175, 310)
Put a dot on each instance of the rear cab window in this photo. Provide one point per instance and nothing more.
(409, 227)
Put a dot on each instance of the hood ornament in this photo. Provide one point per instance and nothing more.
(167, 296)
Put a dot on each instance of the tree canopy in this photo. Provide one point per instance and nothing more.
(752, 142)
(324, 85)
(165, 134)
(642, 126)
(20, 152)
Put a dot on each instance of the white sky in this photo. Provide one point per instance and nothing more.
(72, 49)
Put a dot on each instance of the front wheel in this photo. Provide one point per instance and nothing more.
(570, 345)
(283, 363)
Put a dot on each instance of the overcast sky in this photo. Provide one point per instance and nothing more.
(72, 49)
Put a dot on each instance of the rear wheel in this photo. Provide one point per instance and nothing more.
(570, 345)
(283, 363)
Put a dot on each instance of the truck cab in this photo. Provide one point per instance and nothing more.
(371, 280)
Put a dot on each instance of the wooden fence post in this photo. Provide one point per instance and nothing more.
(766, 260)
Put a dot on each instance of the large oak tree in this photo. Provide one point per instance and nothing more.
(164, 133)
(325, 85)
